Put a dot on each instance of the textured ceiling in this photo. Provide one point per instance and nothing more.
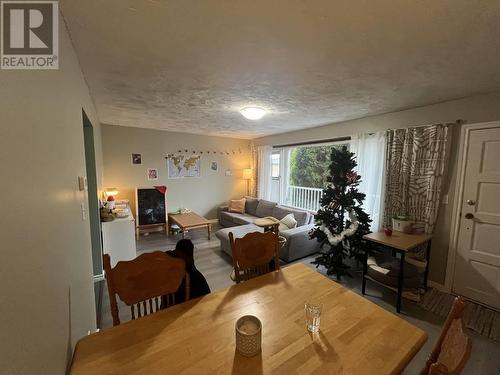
(189, 66)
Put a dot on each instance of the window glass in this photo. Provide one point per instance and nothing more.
(275, 165)
(309, 165)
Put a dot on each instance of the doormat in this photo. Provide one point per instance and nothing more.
(476, 317)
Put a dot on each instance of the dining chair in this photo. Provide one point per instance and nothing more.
(453, 347)
(142, 282)
(253, 254)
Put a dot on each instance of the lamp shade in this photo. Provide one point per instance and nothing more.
(111, 192)
(247, 174)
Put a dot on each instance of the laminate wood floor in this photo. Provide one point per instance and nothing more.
(216, 266)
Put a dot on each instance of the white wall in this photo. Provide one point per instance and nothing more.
(202, 195)
(480, 108)
(45, 269)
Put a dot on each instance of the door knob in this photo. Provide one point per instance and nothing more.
(470, 202)
(468, 215)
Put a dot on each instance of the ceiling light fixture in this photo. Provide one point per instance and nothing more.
(253, 113)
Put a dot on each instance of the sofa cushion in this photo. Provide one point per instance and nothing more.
(251, 205)
(302, 217)
(265, 208)
(288, 222)
(237, 205)
(237, 218)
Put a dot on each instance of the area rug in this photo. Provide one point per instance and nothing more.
(478, 318)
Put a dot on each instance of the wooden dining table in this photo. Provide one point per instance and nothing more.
(198, 337)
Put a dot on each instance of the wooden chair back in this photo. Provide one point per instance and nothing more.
(253, 253)
(453, 348)
(141, 282)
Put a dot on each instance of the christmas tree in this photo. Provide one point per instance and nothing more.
(341, 222)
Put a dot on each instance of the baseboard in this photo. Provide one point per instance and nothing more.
(436, 285)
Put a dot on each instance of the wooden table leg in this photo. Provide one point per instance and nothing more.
(183, 231)
(400, 282)
(427, 259)
(365, 269)
(209, 227)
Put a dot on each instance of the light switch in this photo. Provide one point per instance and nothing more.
(82, 183)
(445, 199)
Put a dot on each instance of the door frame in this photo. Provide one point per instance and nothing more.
(458, 197)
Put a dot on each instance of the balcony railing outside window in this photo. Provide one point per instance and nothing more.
(302, 197)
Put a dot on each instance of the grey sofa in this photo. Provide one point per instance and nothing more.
(298, 244)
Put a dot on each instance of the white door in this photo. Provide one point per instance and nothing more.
(477, 268)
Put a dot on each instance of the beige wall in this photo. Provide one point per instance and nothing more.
(475, 109)
(202, 195)
(45, 272)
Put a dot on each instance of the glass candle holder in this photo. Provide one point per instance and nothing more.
(313, 316)
(248, 335)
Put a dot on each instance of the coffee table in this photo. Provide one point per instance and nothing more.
(189, 221)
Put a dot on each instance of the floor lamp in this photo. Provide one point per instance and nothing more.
(247, 175)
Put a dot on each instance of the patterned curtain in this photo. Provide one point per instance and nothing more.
(254, 164)
(415, 164)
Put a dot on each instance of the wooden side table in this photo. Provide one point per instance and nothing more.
(400, 243)
(268, 223)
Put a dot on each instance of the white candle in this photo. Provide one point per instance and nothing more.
(249, 327)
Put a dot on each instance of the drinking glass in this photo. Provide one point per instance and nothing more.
(313, 316)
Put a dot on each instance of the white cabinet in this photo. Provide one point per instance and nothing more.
(118, 239)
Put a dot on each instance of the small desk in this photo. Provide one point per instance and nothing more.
(197, 337)
(189, 221)
(400, 243)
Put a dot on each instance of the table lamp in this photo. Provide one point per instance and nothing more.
(247, 175)
(110, 194)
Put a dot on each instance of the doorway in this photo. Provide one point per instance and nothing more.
(477, 259)
(93, 210)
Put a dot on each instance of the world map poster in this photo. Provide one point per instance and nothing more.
(181, 166)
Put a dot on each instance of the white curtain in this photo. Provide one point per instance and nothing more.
(370, 156)
(264, 172)
(284, 175)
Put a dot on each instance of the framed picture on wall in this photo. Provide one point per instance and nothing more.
(214, 166)
(152, 174)
(136, 159)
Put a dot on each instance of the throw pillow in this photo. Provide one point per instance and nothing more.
(265, 208)
(251, 205)
(288, 222)
(237, 205)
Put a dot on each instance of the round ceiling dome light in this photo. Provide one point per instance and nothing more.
(253, 113)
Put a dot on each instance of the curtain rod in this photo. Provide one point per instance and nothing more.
(330, 140)
(343, 139)
(456, 122)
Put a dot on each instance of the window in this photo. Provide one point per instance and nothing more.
(309, 165)
(308, 169)
(275, 165)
